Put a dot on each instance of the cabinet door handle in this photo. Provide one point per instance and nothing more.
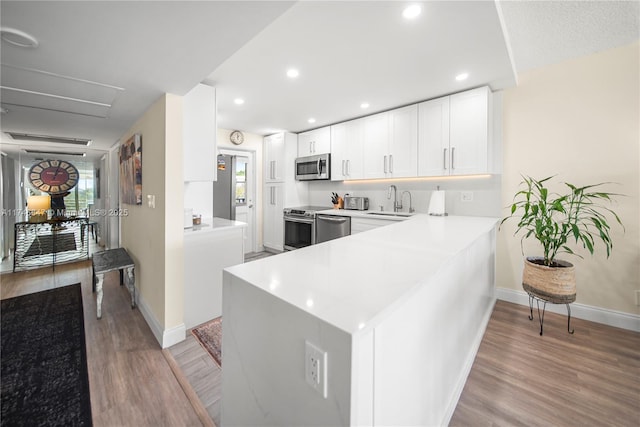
(314, 146)
(390, 163)
(444, 159)
(453, 157)
(385, 164)
(343, 168)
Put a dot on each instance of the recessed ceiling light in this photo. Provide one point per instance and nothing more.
(311, 120)
(364, 105)
(462, 76)
(18, 38)
(411, 12)
(238, 101)
(292, 73)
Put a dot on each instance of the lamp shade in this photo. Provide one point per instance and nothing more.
(38, 207)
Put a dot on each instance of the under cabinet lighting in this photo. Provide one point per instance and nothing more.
(292, 73)
(364, 105)
(238, 101)
(311, 120)
(462, 76)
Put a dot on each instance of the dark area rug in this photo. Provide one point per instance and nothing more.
(44, 361)
(210, 336)
(43, 245)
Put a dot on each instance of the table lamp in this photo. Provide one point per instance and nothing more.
(38, 207)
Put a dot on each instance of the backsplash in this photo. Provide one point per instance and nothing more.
(484, 191)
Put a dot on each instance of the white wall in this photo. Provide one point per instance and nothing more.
(580, 120)
(154, 236)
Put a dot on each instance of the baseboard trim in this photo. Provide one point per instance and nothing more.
(165, 337)
(605, 316)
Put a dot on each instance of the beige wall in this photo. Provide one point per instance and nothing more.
(154, 237)
(252, 142)
(579, 119)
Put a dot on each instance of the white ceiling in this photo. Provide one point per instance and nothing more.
(127, 54)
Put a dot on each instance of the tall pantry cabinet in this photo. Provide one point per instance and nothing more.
(280, 189)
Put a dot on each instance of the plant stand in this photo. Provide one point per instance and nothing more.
(539, 299)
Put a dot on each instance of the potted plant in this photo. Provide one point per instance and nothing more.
(557, 221)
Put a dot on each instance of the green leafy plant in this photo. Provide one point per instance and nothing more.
(557, 220)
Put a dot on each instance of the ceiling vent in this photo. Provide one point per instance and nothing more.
(56, 153)
(47, 138)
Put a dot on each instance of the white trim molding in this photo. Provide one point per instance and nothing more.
(165, 337)
(605, 316)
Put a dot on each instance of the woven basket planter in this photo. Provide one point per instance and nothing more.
(554, 284)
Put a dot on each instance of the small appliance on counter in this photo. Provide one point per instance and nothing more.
(356, 203)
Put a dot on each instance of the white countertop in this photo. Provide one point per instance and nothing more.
(210, 225)
(352, 281)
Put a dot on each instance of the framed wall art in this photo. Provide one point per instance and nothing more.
(131, 170)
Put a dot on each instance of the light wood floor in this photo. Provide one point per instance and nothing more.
(131, 383)
(518, 378)
(201, 372)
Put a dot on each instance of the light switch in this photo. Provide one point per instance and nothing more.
(151, 201)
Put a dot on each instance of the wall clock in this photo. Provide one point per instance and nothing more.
(236, 137)
(53, 176)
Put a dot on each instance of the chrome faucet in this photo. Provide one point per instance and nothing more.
(397, 205)
(411, 210)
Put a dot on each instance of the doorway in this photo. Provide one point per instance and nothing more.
(245, 194)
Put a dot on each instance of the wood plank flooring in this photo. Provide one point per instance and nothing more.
(202, 373)
(131, 382)
(590, 378)
(518, 378)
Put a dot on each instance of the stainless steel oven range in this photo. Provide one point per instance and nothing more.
(300, 226)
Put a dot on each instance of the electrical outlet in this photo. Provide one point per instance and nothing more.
(315, 365)
(638, 298)
(466, 196)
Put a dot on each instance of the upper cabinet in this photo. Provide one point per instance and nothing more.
(403, 142)
(274, 158)
(317, 141)
(454, 134)
(347, 141)
(199, 134)
(391, 140)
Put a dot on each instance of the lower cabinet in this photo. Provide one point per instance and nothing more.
(273, 226)
(358, 225)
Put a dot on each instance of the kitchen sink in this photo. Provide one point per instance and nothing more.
(400, 214)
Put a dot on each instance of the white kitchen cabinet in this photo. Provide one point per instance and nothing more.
(469, 131)
(199, 134)
(347, 141)
(358, 225)
(454, 134)
(317, 141)
(273, 226)
(433, 137)
(403, 142)
(274, 158)
(376, 144)
(391, 140)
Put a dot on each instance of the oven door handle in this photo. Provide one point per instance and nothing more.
(332, 219)
(299, 220)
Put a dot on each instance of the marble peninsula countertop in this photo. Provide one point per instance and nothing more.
(353, 281)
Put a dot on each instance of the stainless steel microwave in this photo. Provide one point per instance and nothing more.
(311, 168)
